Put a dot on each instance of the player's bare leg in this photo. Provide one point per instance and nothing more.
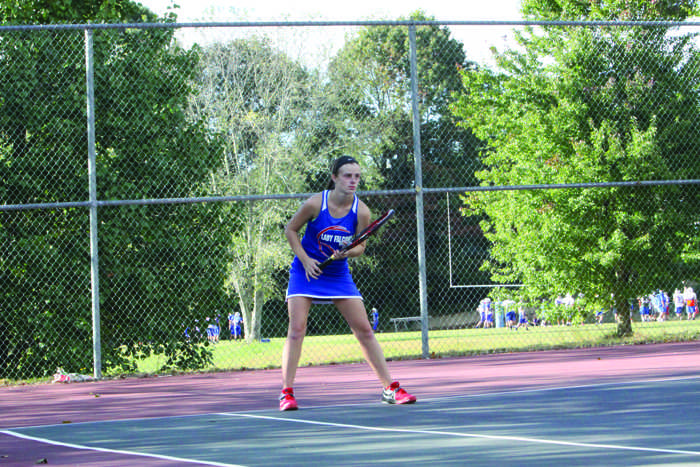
(353, 310)
(291, 352)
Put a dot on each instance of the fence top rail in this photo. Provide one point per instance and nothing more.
(282, 196)
(250, 24)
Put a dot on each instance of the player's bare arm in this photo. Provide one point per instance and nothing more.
(306, 212)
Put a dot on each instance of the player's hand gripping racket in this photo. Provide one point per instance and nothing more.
(361, 237)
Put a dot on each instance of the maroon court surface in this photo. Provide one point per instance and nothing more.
(166, 396)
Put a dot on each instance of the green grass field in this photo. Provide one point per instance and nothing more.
(326, 350)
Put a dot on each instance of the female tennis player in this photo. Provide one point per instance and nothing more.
(332, 218)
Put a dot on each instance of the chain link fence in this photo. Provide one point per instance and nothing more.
(148, 172)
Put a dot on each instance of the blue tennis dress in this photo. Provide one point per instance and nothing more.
(324, 234)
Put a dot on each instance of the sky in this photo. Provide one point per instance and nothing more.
(477, 40)
(328, 10)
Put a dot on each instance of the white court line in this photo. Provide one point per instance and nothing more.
(116, 420)
(117, 451)
(469, 435)
(250, 415)
(561, 388)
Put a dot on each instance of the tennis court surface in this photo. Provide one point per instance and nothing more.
(630, 405)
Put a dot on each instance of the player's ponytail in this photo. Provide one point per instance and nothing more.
(339, 162)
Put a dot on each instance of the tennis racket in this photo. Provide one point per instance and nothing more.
(361, 237)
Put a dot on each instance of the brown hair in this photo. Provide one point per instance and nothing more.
(337, 164)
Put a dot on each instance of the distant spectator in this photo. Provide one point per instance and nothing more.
(481, 309)
(210, 329)
(522, 318)
(667, 302)
(510, 315)
(599, 315)
(374, 315)
(644, 308)
(213, 331)
(488, 305)
(235, 325)
(569, 303)
(690, 302)
(655, 306)
(540, 319)
(565, 307)
(663, 302)
(679, 303)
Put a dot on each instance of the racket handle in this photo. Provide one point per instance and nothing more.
(325, 263)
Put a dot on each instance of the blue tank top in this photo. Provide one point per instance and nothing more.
(326, 233)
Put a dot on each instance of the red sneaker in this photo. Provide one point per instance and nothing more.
(395, 394)
(287, 400)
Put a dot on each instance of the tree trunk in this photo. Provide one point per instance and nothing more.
(624, 313)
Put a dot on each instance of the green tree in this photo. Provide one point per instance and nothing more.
(589, 104)
(369, 116)
(72, 12)
(369, 92)
(258, 99)
(161, 267)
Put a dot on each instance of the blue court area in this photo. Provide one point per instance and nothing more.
(650, 422)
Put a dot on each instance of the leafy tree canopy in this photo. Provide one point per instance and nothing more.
(608, 10)
(73, 11)
(587, 105)
(172, 258)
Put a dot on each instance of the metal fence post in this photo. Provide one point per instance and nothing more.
(425, 347)
(92, 171)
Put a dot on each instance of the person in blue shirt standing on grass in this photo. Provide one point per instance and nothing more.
(375, 319)
(522, 318)
(488, 305)
(644, 303)
(235, 325)
(679, 303)
(662, 299)
(510, 318)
